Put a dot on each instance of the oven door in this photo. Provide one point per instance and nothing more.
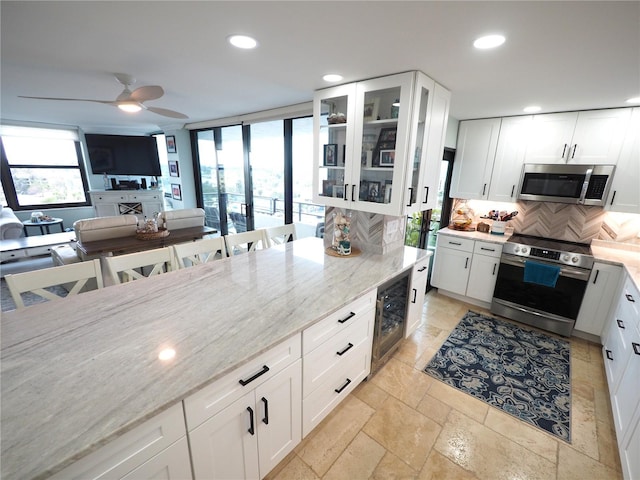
(551, 308)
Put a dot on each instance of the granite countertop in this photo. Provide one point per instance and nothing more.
(79, 372)
(475, 235)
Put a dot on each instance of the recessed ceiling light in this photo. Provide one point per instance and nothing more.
(633, 100)
(489, 41)
(532, 109)
(242, 41)
(332, 77)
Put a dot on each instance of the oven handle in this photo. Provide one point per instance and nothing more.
(565, 271)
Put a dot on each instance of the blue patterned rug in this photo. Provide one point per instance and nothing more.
(522, 372)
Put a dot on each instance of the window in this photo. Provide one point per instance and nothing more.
(42, 168)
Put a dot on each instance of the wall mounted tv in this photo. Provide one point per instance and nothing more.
(123, 155)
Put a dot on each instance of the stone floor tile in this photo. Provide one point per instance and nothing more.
(391, 467)
(370, 394)
(403, 431)
(489, 455)
(439, 467)
(359, 460)
(296, 469)
(584, 437)
(470, 406)
(573, 465)
(608, 445)
(434, 409)
(402, 381)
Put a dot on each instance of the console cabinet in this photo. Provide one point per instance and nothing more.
(142, 203)
(378, 143)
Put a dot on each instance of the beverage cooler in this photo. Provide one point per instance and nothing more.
(391, 315)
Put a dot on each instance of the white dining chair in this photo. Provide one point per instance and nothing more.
(281, 234)
(71, 278)
(200, 251)
(134, 266)
(243, 242)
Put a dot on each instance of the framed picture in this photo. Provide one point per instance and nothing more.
(174, 171)
(374, 191)
(386, 141)
(338, 191)
(171, 144)
(387, 158)
(331, 155)
(371, 109)
(387, 191)
(176, 191)
(327, 187)
(364, 190)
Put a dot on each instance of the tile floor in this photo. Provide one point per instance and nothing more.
(402, 424)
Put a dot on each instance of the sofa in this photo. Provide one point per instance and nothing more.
(10, 226)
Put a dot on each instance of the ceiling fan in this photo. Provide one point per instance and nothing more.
(129, 101)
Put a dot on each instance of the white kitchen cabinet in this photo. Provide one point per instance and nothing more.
(473, 165)
(142, 203)
(249, 437)
(624, 195)
(452, 263)
(373, 158)
(588, 137)
(155, 449)
(417, 291)
(336, 358)
(484, 270)
(629, 449)
(509, 158)
(598, 298)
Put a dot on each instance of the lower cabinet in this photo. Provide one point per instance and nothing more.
(598, 298)
(484, 270)
(249, 437)
(416, 300)
(622, 364)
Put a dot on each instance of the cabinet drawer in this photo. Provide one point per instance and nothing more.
(456, 243)
(315, 335)
(487, 248)
(36, 251)
(129, 451)
(327, 358)
(12, 255)
(213, 398)
(422, 266)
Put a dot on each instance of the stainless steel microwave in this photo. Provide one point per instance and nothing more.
(577, 184)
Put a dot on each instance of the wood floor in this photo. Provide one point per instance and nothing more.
(403, 424)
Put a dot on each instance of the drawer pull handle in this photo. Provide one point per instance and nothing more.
(251, 430)
(426, 195)
(495, 265)
(353, 194)
(595, 279)
(344, 193)
(620, 323)
(466, 263)
(265, 420)
(415, 295)
(629, 297)
(422, 269)
(455, 243)
(636, 348)
(488, 249)
(342, 352)
(609, 354)
(339, 390)
(351, 314)
(264, 370)
(410, 196)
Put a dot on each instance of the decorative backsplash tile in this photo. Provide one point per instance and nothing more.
(574, 223)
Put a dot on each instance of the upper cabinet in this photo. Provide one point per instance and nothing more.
(378, 143)
(588, 137)
(624, 195)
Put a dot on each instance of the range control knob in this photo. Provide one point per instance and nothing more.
(575, 259)
(525, 250)
(516, 249)
(566, 258)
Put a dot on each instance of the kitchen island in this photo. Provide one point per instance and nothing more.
(80, 373)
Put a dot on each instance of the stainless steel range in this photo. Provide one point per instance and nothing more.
(541, 282)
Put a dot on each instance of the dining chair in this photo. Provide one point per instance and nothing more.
(200, 251)
(281, 234)
(70, 278)
(134, 266)
(243, 242)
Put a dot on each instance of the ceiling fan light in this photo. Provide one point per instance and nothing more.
(130, 107)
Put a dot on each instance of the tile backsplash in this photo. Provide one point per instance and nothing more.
(574, 223)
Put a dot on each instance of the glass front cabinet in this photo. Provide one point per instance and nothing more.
(378, 143)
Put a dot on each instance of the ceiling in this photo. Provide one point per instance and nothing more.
(559, 55)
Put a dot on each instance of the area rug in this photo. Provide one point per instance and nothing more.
(522, 372)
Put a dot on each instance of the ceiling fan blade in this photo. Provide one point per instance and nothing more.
(150, 92)
(108, 102)
(165, 112)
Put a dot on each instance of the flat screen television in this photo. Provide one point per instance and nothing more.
(123, 155)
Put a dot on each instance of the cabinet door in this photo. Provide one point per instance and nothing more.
(550, 137)
(279, 416)
(630, 448)
(627, 395)
(598, 298)
(416, 296)
(482, 277)
(107, 209)
(435, 147)
(507, 167)
(624, 195)
(451, 270)
(333, 142)
(224, 446)
(598, 136)
(170, 464)
(477, 142)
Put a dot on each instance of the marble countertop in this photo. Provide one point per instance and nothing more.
(79, 372)
(475, 235)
